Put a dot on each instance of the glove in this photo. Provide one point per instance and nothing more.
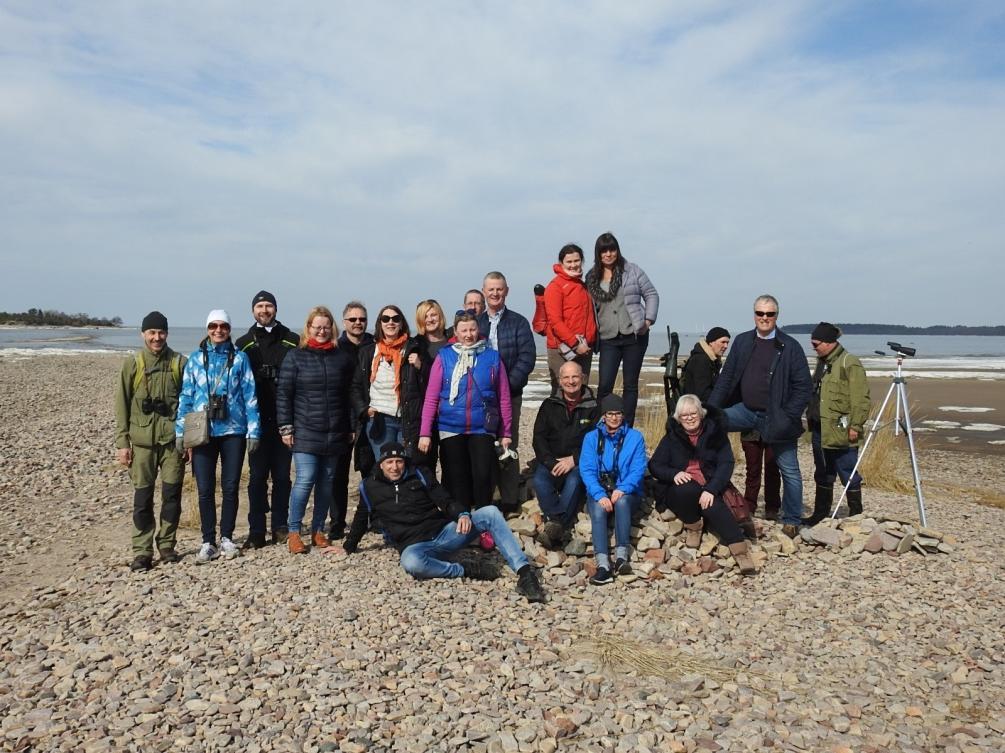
(253, 445)
(179, 443)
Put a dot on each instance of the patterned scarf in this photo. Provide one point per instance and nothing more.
(598, 293)
(392, 352)
(467, 357)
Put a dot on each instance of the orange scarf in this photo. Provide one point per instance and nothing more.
(392, 352)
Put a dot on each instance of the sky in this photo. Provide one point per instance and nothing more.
(844, 156)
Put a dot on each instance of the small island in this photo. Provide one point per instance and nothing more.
(51, 318)
(901, 329)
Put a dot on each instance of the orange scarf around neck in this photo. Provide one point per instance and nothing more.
(392, 352)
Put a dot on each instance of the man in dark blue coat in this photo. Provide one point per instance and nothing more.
(765, 385)
(510, 334)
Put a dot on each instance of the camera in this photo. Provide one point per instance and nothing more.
(155, 405)
(218, 407)
(609, 481)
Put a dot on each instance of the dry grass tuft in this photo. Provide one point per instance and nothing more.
(886, 465)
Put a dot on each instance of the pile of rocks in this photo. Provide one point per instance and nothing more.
(876, 534)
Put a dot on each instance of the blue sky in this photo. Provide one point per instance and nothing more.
(183, 155)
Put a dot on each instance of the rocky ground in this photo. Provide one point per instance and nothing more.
(829, 648)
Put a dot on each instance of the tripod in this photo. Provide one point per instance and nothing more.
(898, 388)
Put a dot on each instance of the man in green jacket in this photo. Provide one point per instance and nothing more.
(837, 415)
(146, 401)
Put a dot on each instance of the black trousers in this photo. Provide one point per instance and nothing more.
(273, 458)
(468, 462)
(683, 500)
(340, 490)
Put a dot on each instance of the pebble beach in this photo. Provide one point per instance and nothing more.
(826, 649)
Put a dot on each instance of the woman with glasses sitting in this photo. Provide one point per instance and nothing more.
(692, 466)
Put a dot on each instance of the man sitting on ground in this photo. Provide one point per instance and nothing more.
(424, 524)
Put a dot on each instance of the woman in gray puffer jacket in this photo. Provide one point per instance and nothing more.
(626, 304)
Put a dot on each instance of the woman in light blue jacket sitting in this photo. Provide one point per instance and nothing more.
(612, 464)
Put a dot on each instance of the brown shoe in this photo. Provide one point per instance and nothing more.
(790, 530)
(692, 537)
(296, 544)
(319, 540)
(741, 553)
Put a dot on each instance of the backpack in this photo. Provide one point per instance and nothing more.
(141, 370)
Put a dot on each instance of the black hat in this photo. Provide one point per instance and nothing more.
(825, 332)
(715, 333)
(154, 320)
(264, 295)
(392, 450)
(612, 402)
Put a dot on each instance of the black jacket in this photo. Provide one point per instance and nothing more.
(413, 386)
(713, 452)
(557, 434)
(313, 396)
(266, 351)
(352, 348)
(415, 508)
(700, 373)
(789, 384)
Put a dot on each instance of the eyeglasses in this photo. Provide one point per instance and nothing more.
(465, 312)
(385, 318)
(321, 329)
(815, 344)
(355, 319)
(766, 314)
(614, 414)
(217, 325)
(689, 416)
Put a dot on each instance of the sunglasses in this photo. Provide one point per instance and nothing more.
(217, 325)
(355, 319)
(465, 312)
(385, 318)
(766, 314)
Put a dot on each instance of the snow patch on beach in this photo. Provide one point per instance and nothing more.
(983, 427)
(996, 441)
(942, 424)
(23, 354)
(964, 409)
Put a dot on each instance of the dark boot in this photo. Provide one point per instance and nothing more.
(821, 505)
(854, 497)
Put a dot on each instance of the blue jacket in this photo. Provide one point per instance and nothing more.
(238, 385)
(479, 388)
(631, 460)
(790, 386)
(516, 346)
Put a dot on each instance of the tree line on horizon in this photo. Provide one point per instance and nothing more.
(53, 318)
(902, 329)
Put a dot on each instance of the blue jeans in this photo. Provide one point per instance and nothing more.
(624, 509)
(229, 450)
(422, 560)
(272, 459)
(391, 426)
(830, 463)
(315, 472)
(559, 496)
(628, 350)
(742, 418)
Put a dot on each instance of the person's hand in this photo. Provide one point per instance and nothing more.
(125, 456)
(853, 435)
(582, 349)
(424, 444)
(253, 445)
(187, 455)
(288, 440)
(505, 442)
(563, 466)
(606, 504)
(616, 495)
(179, 444)
(414, 360)
(645, 327)
(333, 548)
(371, 412)
(705, 500)
(464, 525)
(682, 478)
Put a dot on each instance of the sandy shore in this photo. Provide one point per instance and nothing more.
(822, 651)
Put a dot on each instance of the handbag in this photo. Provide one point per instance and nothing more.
(737, 505)
(196, 432)
(493, 418)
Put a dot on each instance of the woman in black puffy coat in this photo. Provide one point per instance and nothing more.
(315, 420)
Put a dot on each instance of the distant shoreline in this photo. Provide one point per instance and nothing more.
(901, 329)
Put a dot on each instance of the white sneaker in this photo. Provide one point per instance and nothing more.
(206, 553)
(228, 549)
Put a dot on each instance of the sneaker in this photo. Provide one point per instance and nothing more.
(602, 577)
(169, 556)
(528, 586)
(486, 542)
(280, 535)
(480, 569)
(622, 567)
(254, 541)
(141, 563)
(206, 553)
(228, 548)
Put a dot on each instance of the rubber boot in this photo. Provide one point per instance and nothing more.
(741, 553)
(692, 537)
(821, 505)
(854, 497)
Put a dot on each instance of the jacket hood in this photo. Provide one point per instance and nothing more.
(561, 273)
(223, 347)
(622, 430)
(588, 400)
(706, 348)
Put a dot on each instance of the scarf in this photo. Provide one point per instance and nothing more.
(312, 343)
(467, 357)
(598, 293)
(392, 352)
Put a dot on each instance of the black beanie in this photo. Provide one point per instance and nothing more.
(825, 332)
(154, 320)
(264, 295)
(715, 333)
(392, 450)
(612, 402)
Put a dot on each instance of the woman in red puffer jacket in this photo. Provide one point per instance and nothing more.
(572, 323)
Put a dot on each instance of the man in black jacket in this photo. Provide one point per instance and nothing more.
(562, 421)
(765, 385)
(424, 523)
(266, 345)
(704, 364)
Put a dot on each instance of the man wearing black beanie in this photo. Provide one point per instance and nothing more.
(703, 365)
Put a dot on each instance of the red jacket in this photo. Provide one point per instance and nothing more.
(570, 310)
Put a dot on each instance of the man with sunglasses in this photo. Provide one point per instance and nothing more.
(765, 385)
(266, 344)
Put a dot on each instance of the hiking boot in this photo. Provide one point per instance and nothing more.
(790, 530)
(279, 535)
(169, 556)
(295, 543)
(602, 577)
(822, 503)
(206, 553)
(528, 586)
(480, 569)
(228, 549)
(336, 533)
(141, 563)
(486, 542)
(622, 567)
(741, 553)
(692, 536)
(771, 513)
(254, 541)
(319, 540)
(551, 534)
(854, 497)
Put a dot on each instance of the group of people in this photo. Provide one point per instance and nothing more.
(399, 406)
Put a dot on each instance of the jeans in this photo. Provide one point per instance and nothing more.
(683, 500)
(229, 450)
(628, 350)
(559, 496)
(624, 509)
(831, 463)
(422, 560)
(315, 472)
(741, 418)
(273, 459)
(340, 490)
(387, 429)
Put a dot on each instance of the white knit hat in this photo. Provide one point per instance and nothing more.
(217, 315)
